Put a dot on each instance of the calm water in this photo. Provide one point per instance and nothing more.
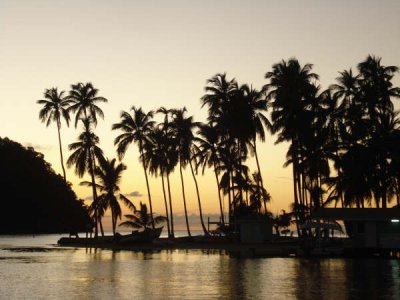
(33, 268)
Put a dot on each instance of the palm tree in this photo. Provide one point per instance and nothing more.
(55, 107)
(135, 128)
(84, 101)
(221, 99)
(183, 128)
(219, 93)
(109, 176)
(207, 155)
(183, 132)
(367, 124)
(141, 219)
(160, 160)
(257, 106)
(376, 86)
(170, 154)
(83, 157)
(290, 87)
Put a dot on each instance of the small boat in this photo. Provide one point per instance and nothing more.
(147, 235)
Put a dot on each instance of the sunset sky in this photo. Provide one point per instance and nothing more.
(160, 53)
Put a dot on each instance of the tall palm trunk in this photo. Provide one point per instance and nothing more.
(147, 184)
(98, 216)
(170, 207)
(231, 197)
(384, 199)
(184, 199)
(101, 227)
(95, 200)
(61, 153)
(165, 203)
(219, 195)
(198, 199)
(239, 172)
(296, 199)
(260, 188)
(114, 222)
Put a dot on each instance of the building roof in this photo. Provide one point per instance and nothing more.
(357, 214)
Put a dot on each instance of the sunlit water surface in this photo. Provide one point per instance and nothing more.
(34, 268)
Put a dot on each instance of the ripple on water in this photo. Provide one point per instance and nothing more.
(59, 273)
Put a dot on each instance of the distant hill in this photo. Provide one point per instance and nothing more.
(33, 198)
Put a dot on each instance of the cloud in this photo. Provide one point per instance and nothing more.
(38, 147)
(134, 194)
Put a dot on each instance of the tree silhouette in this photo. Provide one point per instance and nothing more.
(141, 219)
(290, 87)
(85, 152)
(84, 99)
(109, 176)
(55, 107)
(135, 128)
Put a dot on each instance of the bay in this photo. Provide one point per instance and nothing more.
(36, 268)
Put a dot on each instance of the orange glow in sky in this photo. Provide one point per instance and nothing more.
(160, 53)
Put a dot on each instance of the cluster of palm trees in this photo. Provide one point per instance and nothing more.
(86, 155)
(236, 119)
(351, 126)
(343, 141)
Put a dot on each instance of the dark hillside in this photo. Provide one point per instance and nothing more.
(34, 199)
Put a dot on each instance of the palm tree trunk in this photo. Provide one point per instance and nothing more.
(296, 200)
(384, 199)
(166, 205)
(94, 182)
(101, 227)
(259, 176)
(219, 195)
(184, 199)
(170, 207)
(198, 199)
(231, 196)
(96, 231)
(61, 153)
(147, 185)
(113, 223)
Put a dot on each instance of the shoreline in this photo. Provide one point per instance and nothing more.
(282, 248)
(270, 249)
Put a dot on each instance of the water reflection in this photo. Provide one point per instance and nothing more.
(188, 274)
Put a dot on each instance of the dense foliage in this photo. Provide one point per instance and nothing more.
(34, 199)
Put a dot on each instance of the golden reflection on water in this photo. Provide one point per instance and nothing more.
(188, 274)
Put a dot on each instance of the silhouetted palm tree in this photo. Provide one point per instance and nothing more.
(219, 93)
(141, 219)
(84, 101)
(257, 107)
(170, 154)
(367, 122)
(221, 98)
(182, 129)
(161, 158)
(135, 128)
(83, 157)
(290, 87)
(376, 87)
(207, 155)
(109, 176)
(55, 107)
